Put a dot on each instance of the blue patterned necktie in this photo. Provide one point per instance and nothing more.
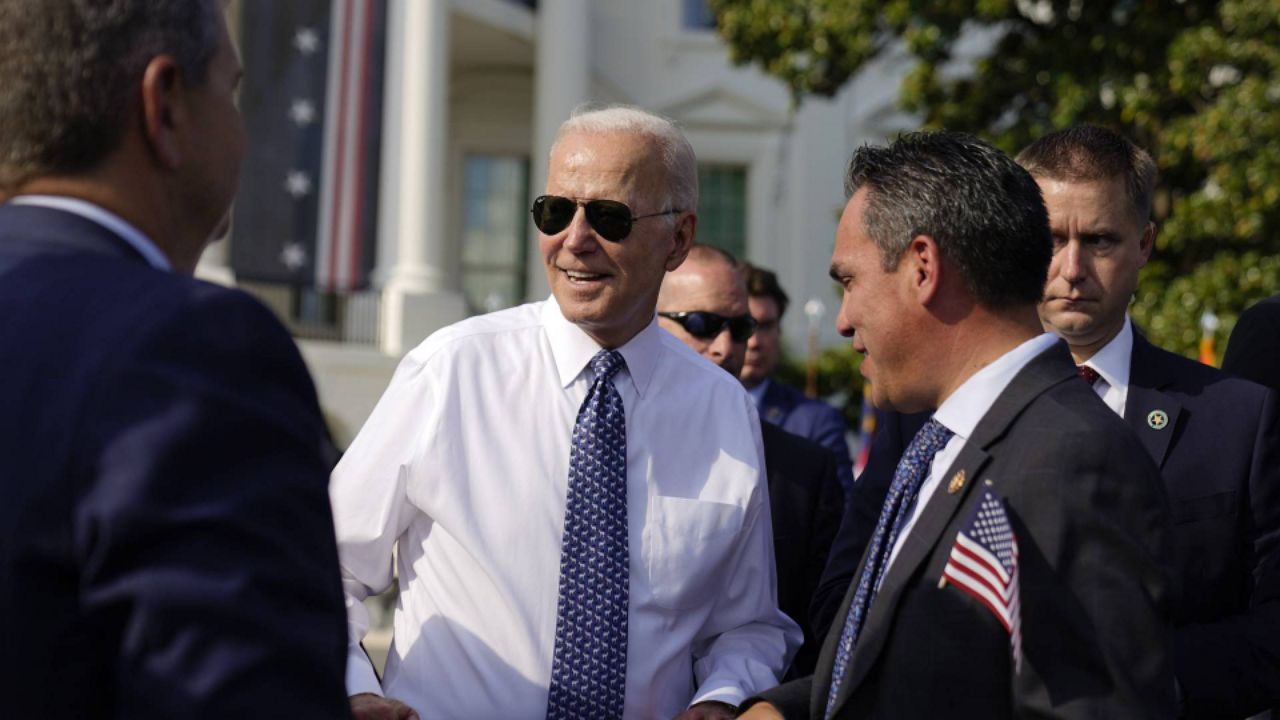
(589, 664)
(907, 478)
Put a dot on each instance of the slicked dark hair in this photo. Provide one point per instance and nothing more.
(983, 210)
(1088, 153)
(764, 283)
(69, 70)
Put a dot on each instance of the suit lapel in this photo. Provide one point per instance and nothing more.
(918, 545)
(1045, 370)
(1152, 414)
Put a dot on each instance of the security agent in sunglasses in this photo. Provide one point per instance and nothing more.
(577, 500)
(704, 304)
(778, 403)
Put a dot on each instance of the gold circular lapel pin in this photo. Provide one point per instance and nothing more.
(1157, 419)
(957, 483)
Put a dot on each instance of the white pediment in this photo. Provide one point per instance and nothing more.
(720, 107)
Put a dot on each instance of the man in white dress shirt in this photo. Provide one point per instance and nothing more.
(1216, 438)
(467, 467)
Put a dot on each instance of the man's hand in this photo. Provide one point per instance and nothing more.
(761, 711)
(709, 710)
(367, 706)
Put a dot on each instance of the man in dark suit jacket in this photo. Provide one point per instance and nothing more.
(780, 404)
(1253, 352)
(941, 253)
(1216, 438)
(166, 544)
(805, 499)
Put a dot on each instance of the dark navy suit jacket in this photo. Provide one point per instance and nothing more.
(1253, 351)
(1218, 450)
(166, 544)
(1219, 455)
(1089, 512)
(805, 505)
(798, 414)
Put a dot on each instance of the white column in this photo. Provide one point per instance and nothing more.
(561, 83)
(419, 291)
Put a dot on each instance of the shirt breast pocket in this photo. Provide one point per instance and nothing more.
(687, 546)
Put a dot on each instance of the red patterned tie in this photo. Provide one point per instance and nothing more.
(1088, 374)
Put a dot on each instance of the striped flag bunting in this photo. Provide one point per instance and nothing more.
(306, 214)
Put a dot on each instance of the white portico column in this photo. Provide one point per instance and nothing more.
(561, 83)
(419, 291)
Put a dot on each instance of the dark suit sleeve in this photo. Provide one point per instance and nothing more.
(1232, 667)
(1253, 352)
(790, 698)
(894, 431)
(203, 523)
(1091, 523)
(824, 519)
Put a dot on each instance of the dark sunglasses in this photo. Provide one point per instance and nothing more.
(707, 325)
(610, 218)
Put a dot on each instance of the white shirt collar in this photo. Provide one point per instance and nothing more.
(573, 349)
(966, 406)
(106, 219)
(1112, 361)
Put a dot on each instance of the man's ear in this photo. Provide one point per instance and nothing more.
(685, 232)
(922, 264)
(163, 113)
(1147, 242)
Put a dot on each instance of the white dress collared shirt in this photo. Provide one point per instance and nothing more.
(961, 412)
(107, 219)
(1112, 365)
(463, 466)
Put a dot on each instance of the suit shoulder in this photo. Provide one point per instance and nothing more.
(1072, 408)
(780, 443)
(1203, 383)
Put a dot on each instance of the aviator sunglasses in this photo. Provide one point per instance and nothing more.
(609, 218)
(707, 325)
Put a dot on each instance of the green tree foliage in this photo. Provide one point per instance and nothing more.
(1195, 82)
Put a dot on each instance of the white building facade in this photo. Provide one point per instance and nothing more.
(472, 94)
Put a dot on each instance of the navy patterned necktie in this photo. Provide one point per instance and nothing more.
(589, 664)
(907, 478)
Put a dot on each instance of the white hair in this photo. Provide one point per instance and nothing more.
(678, 161)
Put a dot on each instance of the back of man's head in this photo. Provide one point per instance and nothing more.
(983, 211)
(671, 147)
(70, 68)
(1087, 153)
(764, 283)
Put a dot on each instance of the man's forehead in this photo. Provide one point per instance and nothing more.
(1090, 204)
(706, 282)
